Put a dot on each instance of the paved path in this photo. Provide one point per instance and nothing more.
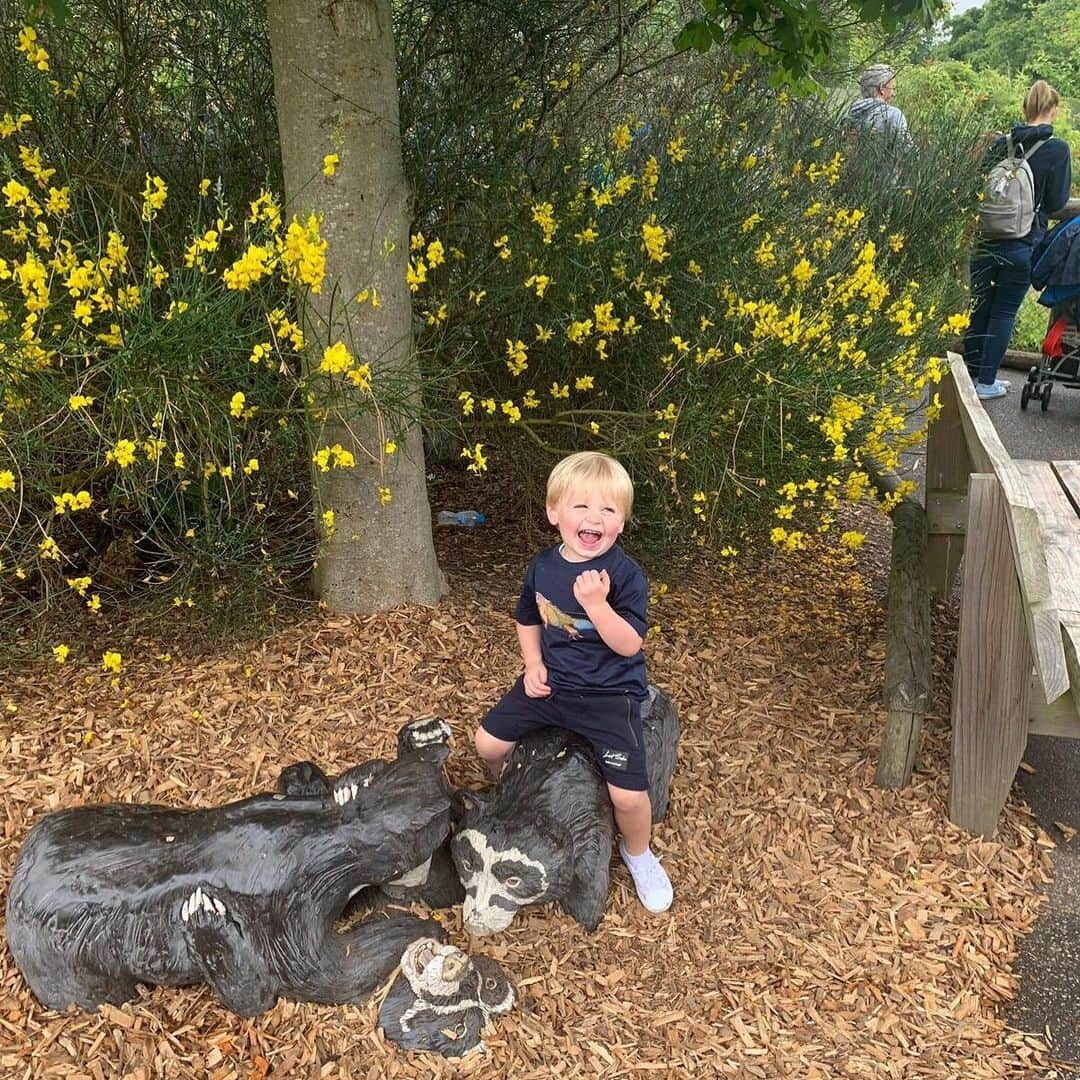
(1049, 960)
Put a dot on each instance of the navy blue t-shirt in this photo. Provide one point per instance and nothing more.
(575, 655)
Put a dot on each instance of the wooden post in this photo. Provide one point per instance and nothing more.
(907, 648)
(947, 467)
(993, 667)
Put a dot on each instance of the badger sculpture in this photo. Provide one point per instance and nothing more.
(242, 896)
(546, 831)
(443, 999)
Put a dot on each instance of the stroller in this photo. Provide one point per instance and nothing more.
(1055, 271)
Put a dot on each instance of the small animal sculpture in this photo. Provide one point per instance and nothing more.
(243, 896)
(546, 831)
(443, 999)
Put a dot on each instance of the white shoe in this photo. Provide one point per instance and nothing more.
(993, 390)
(650, 879)
(1003, 382)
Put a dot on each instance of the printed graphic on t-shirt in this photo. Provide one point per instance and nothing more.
(555, 619)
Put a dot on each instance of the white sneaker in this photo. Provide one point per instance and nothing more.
(993, 390)
(650, 879)
(1002, 382)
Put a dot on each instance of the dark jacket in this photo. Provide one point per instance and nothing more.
(1051, 168)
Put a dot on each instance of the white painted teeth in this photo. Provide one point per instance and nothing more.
(348, 791)
(198, 899)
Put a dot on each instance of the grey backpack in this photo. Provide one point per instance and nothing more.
(1007, 210)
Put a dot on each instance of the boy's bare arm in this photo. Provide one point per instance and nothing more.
(591, 590)
(536, 684)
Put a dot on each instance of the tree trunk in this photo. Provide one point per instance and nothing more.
(336, 91)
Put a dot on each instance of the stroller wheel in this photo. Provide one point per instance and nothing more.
(1025, 395)
(1045, 395)
(1033, 374)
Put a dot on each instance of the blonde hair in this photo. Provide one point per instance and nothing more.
(1040, 99)
(589, 468)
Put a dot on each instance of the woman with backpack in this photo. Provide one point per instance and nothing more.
(1001, 268)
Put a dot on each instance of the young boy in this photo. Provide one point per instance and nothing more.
(581, 619)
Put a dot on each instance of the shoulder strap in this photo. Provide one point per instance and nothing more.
(1028, 153)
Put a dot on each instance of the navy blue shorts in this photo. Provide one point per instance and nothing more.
(611, 723)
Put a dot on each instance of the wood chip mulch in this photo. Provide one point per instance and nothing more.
(821, 927)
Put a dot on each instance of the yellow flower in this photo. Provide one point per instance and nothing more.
(477, 461)
(606, 322)
(544, 215)
(303, 253)
(330, 164)
(236, 405)
(61, 653)
(677, 149)
(123, 453)
(204, 187)
(436, 256)
(852, 540)
(329, 523)
(153, 194)
(540, 282)
(112, 661)
(391, 446)
(517, 356)
(543, 335)
(622, 137)
(416, 274)
(7, 480)
(385, 496)
(654, 238)
(336, 359)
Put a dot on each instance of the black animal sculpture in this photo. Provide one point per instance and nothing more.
(443, 999)
(546, 831)
(242, 896)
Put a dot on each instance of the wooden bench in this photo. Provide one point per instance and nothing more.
(1016, 671)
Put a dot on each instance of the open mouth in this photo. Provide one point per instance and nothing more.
(589, 538)
(418, 955)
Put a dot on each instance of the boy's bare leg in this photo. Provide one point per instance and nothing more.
(493, 751)
(633, 815)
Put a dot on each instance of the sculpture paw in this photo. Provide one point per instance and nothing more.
(229, 961)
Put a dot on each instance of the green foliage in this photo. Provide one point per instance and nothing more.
(794, 37)
(716, 297)
(983, 97)
(1031, 325)
(1030, 40)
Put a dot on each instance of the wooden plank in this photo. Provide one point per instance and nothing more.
(988, 455)
(907, 648)
(1060, 526)
(1061, 719)
(1068, 473)
(992, 680)
(947, 467)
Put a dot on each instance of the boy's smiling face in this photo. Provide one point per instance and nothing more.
(589, 521)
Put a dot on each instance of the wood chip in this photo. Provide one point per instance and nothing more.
(821, 927)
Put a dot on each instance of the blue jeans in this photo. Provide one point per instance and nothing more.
(1000, 279)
